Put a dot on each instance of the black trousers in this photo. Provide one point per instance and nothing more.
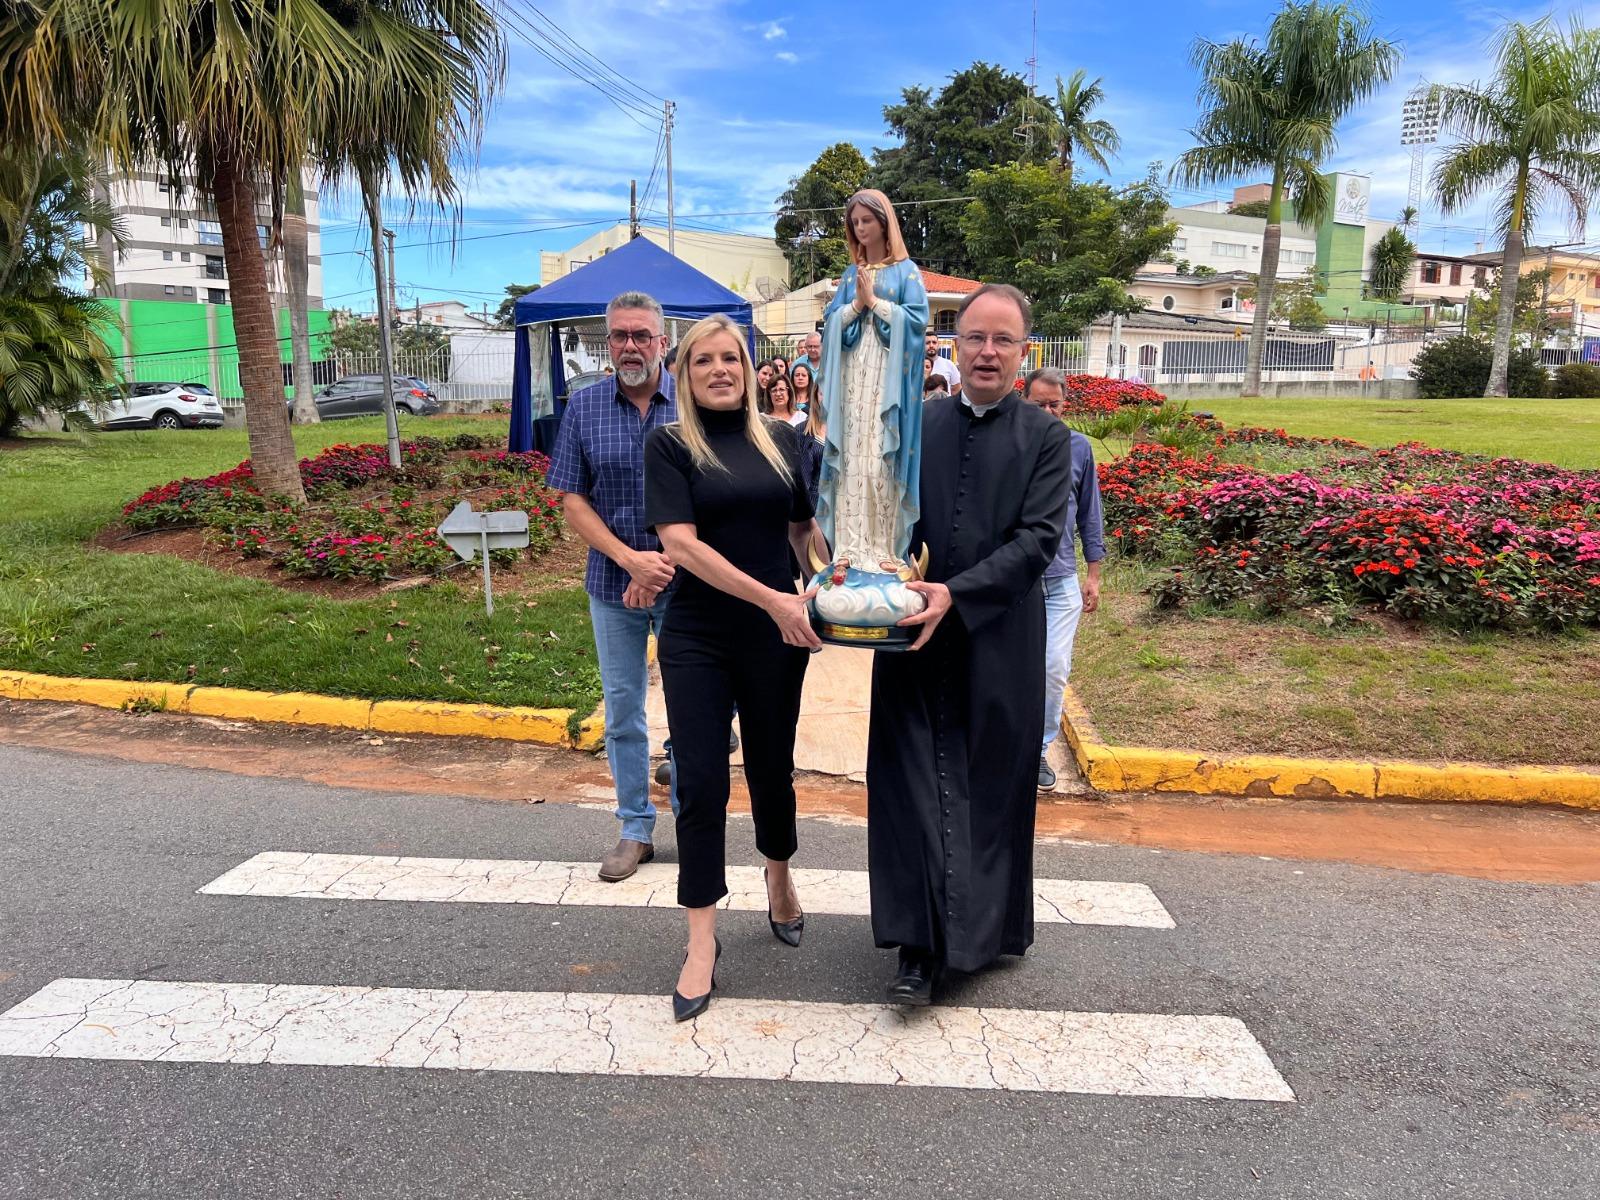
(706, 669)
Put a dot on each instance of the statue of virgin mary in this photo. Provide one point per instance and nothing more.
(872, 372)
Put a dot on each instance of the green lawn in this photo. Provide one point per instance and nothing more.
(68, 609)
(1566, 432)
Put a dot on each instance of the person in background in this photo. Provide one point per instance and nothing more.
(810, 353)
(723, 491)
(1066, 597)
(780, 365)
(780, 403)
(811, 446)
(765, 374)
(939, 365)
(934, 388)
(598, 466)
(806, 393)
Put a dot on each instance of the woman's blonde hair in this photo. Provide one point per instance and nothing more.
(691, 432)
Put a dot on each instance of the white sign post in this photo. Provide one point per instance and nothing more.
(473, 534)
(1352, 197)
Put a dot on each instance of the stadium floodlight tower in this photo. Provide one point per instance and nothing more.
(1419, 129)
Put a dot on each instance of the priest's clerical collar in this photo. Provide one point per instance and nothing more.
(981, 410)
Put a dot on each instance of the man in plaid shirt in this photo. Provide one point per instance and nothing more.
(598, 464)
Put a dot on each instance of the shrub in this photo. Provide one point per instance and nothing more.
(1576, 381)
(1459, 366)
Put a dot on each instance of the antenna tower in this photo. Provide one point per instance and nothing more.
(1027, 125)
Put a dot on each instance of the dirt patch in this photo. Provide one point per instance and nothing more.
(560, 567)
(1536, 846)
(33, 443)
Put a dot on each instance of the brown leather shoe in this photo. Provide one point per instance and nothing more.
(624, 860)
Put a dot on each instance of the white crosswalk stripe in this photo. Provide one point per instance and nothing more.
(1128, 1054)
(287, 874)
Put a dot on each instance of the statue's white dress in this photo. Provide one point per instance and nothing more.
(865, 500)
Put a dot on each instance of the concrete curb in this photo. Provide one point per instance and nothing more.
(1146, 769)
(547, 726)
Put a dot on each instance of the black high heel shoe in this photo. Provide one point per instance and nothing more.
(787, 932)
(686, 1009)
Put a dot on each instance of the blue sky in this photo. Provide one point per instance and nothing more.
(761, 88)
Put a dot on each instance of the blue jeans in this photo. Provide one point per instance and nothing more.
(621, 636)
(1063, 605)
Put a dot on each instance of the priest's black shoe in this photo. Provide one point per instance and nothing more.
(686, 1008)
(787, 932)
(913, 984)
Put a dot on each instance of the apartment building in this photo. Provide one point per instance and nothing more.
(173, 248)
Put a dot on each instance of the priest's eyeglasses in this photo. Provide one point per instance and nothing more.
(973, 343)
(639, 337)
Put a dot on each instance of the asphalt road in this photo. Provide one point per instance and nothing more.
(1439, 1033)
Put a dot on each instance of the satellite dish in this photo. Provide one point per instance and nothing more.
(769, 288)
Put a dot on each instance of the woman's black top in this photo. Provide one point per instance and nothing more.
(743, 512)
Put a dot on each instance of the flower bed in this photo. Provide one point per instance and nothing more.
(1425, 534)
(365, 520)
(1094, 395)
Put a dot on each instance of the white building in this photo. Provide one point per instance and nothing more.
(1225, 243)
(752, 266)
(173, 249)
(451, 315)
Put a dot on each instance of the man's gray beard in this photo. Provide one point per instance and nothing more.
(634, 376)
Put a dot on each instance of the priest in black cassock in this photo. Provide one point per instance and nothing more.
(953, 752)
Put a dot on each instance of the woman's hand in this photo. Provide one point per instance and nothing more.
(790, 613)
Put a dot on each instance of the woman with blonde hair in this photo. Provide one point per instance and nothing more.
(724, 492)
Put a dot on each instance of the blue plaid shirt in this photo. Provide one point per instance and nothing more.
(599, 454)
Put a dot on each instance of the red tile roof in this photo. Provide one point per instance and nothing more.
(935, 282)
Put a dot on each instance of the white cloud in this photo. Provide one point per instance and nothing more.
(772, 31)
(787, 56)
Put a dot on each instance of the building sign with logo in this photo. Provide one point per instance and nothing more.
(1352, 197)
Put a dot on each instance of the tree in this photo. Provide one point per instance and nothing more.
(810, 225)
(52, 354)
(505, 316)
(239, 94)
(1071, 127)
(355, 337)
(1483, 312)
(1408, 217)
(1250, 208)
(1294, 301)
(1393, 256)
(1274, 107)
(1072, 247)
(971, 125)
(1529, 135)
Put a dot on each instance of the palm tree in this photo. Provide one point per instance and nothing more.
(1408, 217)
(1530, 135)
(239, 95)
(52, 353)
(1073, 129)
(1273, 108)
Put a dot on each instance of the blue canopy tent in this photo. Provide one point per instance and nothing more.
(636, 266)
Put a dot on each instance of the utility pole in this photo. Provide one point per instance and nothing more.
(633, 209)
(391, 422)
(394, 304)
(672, 220)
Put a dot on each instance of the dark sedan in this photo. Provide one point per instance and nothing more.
(362, 396)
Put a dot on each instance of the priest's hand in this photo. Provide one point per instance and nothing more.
(790, 612)
(938, 598)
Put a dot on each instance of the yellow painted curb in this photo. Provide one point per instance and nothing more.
(105, 693)
(1147, 769)
(547, 726)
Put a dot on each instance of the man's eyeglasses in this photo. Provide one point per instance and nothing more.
(973, 343)
(639, 337)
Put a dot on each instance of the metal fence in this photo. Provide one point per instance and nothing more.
(474, 371)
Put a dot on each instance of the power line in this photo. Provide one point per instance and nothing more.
(645, 95)
(549, 49)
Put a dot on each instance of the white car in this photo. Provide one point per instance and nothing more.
(161, 406)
